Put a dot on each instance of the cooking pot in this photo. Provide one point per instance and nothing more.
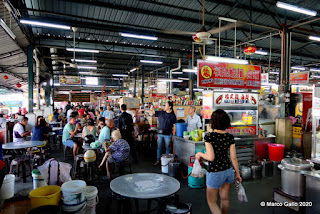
(245, 172)
(293, 181)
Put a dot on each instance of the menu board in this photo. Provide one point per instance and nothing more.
(225, 75)
(69, 80)
(235, 99)
(242, 130)
(300, 77)
(207, 100)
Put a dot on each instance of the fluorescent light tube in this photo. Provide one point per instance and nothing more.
(86, 67)
(138, 36)
(82, 50)
(120, 75)
(177, 72)
(296, 9)
(133, 69)
(261, 52)
(83, 72)
(227, 60)
(151, 62)
(198, 89)
(269, 84)
(7, 29)
(187, 70)
(300, 85)
(182, 78)
(298, 68)
(316, 76)
(227, 19)
(315, 69)
(44, 24)
(315, 38)
(170, 80)
(272, 72)
(84, 60)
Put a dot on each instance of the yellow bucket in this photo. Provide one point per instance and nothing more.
(47, 195)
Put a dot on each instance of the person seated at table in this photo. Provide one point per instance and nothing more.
(117, 152)
(48, 127)
(98, 115)
(2, 122)
(69, 112)
(81, 111)
(39, 131)
(84, 120)
(90, 113)
(55, 115)
(19, 131)
(69, 131)
(111, 125)
(104, 131)
(101, 111)
(89, 129)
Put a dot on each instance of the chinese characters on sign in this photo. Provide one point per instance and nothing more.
(69, 80)
(246, 130)
(243, 99)
(225, 75)
(300, 77)
(265, 78)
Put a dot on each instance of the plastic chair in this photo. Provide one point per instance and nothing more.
(20, 162)
(76, 165)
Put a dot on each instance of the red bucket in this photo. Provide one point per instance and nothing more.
(261, 150)
(276, 151)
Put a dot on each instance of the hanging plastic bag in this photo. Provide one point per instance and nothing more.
(242, 197)
(55, 172)
(197, 170)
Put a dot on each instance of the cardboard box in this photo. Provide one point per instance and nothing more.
(152, 120)
(130, 102)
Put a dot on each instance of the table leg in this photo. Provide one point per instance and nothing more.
(137, 205)
(24, 176)
(149, 205)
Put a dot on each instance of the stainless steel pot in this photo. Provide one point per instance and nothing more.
(245, 172)
(293, 181)
(256, 171)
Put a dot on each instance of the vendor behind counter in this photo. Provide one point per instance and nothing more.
(193, 120)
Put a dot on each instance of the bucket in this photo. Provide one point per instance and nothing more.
(73, 194)
(174, 169)
(47, 195)
(7, 189)
(261, 149)
(92, 199)
(194, 182)
(38, 180)
(78, 208)
(165, 160)
(181, 127)
(185, 133)
(276, 151)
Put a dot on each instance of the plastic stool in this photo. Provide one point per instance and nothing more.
(121, 167)
(179, 208)
(89, 168)
(76, 164)
(23, 162)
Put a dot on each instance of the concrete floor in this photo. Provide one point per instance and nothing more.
(259, 190)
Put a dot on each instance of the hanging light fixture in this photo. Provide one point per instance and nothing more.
(250, 49)
(18, 85)
(5, 77)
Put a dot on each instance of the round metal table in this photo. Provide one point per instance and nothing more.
(145, 185)
(22, 145)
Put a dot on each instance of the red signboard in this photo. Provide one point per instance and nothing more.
(300, 77)
(225, 75)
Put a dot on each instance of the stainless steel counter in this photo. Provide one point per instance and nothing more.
(245, 148)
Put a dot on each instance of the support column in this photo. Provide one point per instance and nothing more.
(135, 85)
(47, 93)
(191, 81)
(285, 71)
(142, 84)
(30, 78)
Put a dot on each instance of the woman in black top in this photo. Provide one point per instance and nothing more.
(220, 174)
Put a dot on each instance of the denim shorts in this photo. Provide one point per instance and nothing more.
(215, 180)
(69, 143)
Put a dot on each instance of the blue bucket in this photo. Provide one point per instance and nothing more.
(181, 127)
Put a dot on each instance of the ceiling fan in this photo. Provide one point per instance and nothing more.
(203, 34)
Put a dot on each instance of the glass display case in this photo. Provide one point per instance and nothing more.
(241, 107)
(315, 153)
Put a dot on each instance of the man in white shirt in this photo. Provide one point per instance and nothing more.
(193, 120)
(19, 130)
(69, 112)
(2, 122)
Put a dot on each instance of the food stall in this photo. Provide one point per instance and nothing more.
(240, 104)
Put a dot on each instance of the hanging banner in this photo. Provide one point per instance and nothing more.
(225, 75)
(69, 80)
(265, 78)
(162, 87)
(301, 77)
(235, 99)
(12, 103)
(207, 100)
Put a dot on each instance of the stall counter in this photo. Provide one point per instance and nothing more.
(184, 148)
